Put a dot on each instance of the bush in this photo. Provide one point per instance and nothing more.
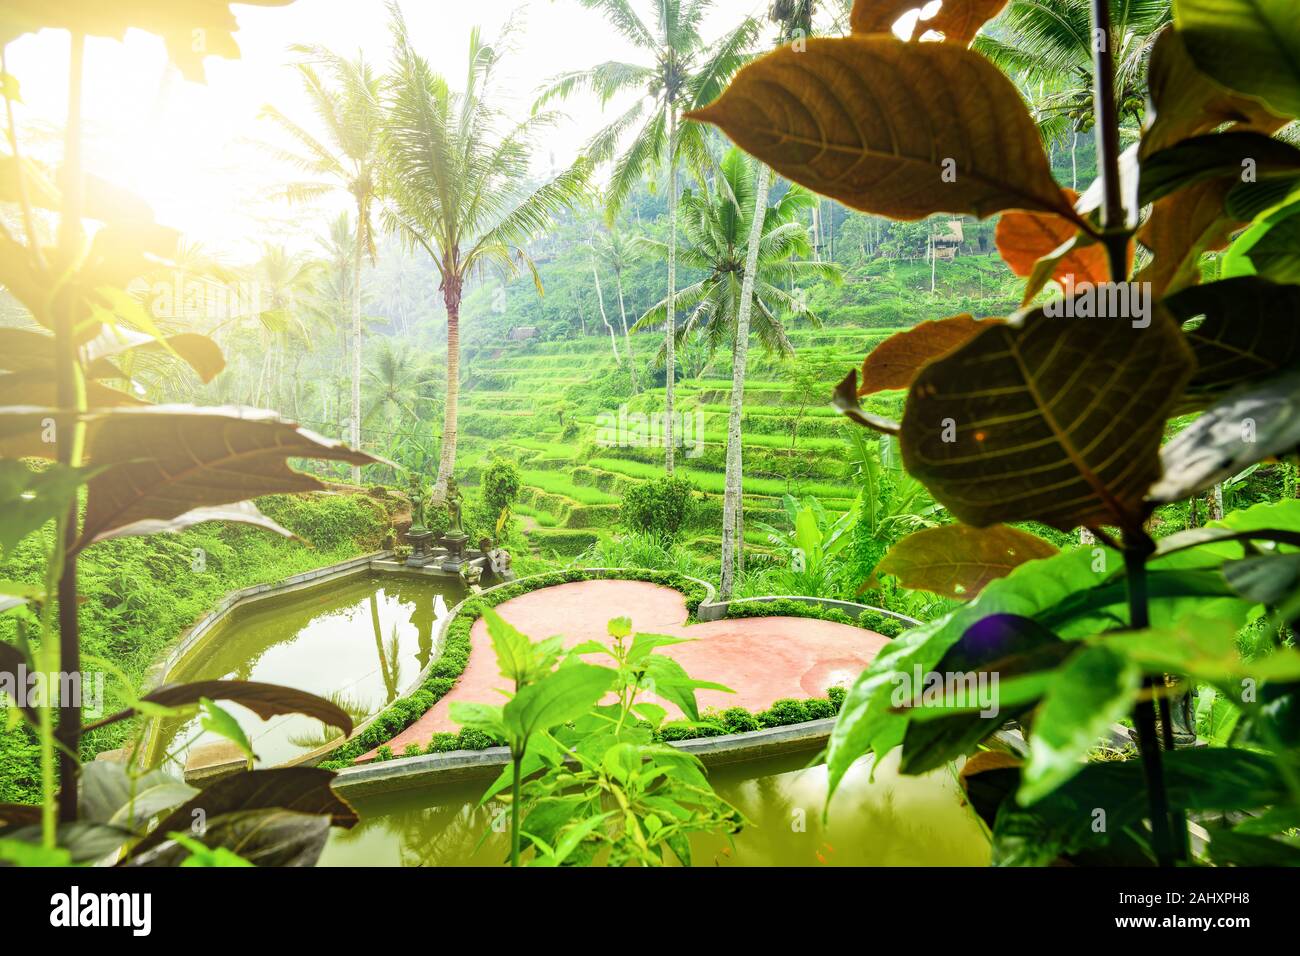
(661, 507)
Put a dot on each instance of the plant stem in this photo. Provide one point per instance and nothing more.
(1115, 234)
(514, 809)
(70, 397)
(1144, 715)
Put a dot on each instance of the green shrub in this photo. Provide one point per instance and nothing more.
(661, 507)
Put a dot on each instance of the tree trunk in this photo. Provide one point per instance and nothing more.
(447, 457)
(670, 318)
(732, 498)
(356, 344)
(627, 339)
(1074, 161)
(600, 300)
(1216, 502)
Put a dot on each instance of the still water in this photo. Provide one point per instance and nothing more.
(359, 641)
(892, 820)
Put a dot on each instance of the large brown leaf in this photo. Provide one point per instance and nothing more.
(163, 461)
(1186, 102)
(1025, 238)
(1250, 329)
(265, 700)
(1179, 229)
(271, 838)
(897, 129)
(894, 362)
(957, 20)
(298, 789)
(956, 560)
(1057, 420)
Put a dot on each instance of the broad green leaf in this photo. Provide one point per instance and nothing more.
(645, 644)
(866, 723)
(556, 698)
(830, 118)
(957, 561)
(1250, 329)
(484, 717)
(1276, 253)
(28, 498)
(995, 653)
(1252, 46)
(513, 650)
(1013, 426)
(1186, 102)
(1268, 579)
(1230, 155)
(108, 793)
(671, 682)
(1092, 691)
(1203, 648)
(1234, 848)
(1245, 426)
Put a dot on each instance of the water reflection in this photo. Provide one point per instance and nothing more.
(356, 641)
(890, 820)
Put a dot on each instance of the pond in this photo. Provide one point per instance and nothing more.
(891, 820)
(360, 641)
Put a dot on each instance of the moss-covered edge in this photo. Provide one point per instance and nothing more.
(733, 720)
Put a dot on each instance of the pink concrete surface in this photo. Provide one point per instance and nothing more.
(763, 659)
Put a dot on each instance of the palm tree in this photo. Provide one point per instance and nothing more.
(1047, 46)
(683, 73)
(795, 19)
(745, 278)
(394, 384)
(460, 188)
(716, 225)
(348, 107)
(619, 252)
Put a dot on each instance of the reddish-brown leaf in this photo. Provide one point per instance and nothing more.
(894, 362)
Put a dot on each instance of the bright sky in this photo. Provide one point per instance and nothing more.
(189, 149)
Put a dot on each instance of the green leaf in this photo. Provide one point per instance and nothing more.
(1216, 156)
(484, 717)
(107, 793)
(1268, 579)
(1245, 426)
(866, 723)
(203, 856)
(673, 684)
(1234, 848)
(1276, 253)
(1092, 691)
(1203, 648)
(220, 722)
(998, 649)
(644, 644)
(28, 499)
(556, 698)
(1252, 46)
(514, 651)
(1249, 330)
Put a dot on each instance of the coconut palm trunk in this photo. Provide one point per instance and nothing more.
(732, 499)
(627, 338)
(451, 289)
(670, 325)
(356, 341)
(600, 300)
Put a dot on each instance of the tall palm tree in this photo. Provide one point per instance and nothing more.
(681, 72)
(460, 188)
(794, 18)
(619, 252)
(346, 101)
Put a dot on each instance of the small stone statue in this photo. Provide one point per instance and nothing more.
(498, 558)
(419, 505)
(454, 499)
